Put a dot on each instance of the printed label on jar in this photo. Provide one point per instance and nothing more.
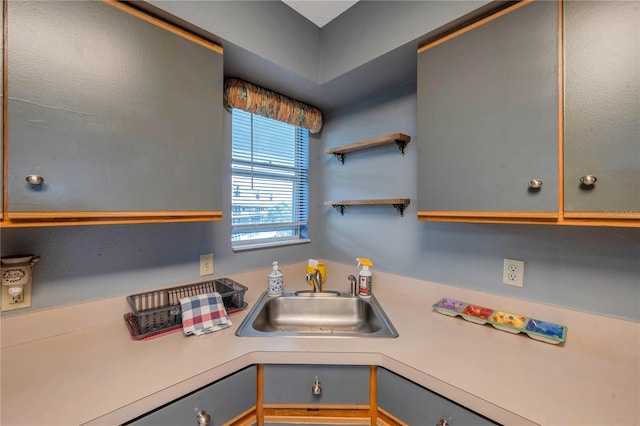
(275, 286)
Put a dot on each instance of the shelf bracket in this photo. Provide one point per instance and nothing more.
(339, 156)
(400, 208)
(340, 208)
(401, 145)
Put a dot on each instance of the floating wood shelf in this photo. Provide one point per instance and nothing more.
(398, 203)
(399, 139)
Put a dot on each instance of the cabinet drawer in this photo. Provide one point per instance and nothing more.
(222, 400)
(291, 384)
(416, 405)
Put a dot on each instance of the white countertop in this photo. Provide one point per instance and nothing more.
(60, 368)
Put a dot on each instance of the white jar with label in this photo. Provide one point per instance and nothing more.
(276, 281)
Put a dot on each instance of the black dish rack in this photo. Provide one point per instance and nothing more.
(159, 311)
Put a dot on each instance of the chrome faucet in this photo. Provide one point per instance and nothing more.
(354, 285)
(316, 278)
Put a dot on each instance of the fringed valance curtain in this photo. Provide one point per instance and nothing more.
(257, 100)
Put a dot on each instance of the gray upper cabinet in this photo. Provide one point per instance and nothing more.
(602, 108)
(488, 118)
(115, 115)
(2, 111)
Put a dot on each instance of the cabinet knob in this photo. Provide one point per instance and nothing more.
(203, 418)
(588, 180)
(316, 388)
(443, 422)
(34, 180)
(535, 183)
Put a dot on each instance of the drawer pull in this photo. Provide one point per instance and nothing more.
(203, 418)
(588, 180)
(535, 184)
(443, 422)
(316, 388)
(34, 180)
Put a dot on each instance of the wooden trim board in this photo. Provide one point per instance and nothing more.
(9, 222)
(165, 25)
(473, 25)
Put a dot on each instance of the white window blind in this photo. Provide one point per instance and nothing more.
(270, 175)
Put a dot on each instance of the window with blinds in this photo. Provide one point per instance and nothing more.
(269, 181)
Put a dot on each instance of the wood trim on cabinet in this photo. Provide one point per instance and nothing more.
(615, 215)
(31, 219)
(329, 414)
(373, 392)
(248, 418)
(260, 394)
(109, 215)
(491, 214)
(387, 419)
(473, 25)
(586, 221)
(165, 25)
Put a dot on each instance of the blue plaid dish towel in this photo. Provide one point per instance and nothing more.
(204, 313)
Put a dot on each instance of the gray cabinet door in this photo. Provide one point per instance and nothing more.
(416, 405)
(341, 384)
(2, 113)
(488, 116)
(602, 106)
(115, 113)
(222, 400)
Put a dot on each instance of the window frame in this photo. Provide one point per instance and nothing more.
(298, 172)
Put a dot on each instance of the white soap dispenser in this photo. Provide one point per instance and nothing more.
(276, 281)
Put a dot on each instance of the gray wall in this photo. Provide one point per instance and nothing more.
(586, 268)
(370, 29)
(80, 263)
(270, 29)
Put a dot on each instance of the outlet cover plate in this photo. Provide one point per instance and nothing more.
(7, 298)
(513, 272)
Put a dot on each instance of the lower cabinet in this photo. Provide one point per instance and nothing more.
(213, 405)
(316, 384)
(415, 405)
(310, 395)
(316, 394)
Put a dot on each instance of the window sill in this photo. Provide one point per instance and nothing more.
(257, 246)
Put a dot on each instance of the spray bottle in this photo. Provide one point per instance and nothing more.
(276, 281)
(364, 277)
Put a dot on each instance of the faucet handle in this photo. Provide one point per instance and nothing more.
(354, 286)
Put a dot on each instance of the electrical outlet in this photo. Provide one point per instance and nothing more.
(23, 300)
(206, 264)
(513, 272)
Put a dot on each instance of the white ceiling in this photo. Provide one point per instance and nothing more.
(320, 12)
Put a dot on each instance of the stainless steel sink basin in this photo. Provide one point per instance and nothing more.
(316, 314)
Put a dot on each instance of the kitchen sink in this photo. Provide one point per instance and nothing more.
(308, 314)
